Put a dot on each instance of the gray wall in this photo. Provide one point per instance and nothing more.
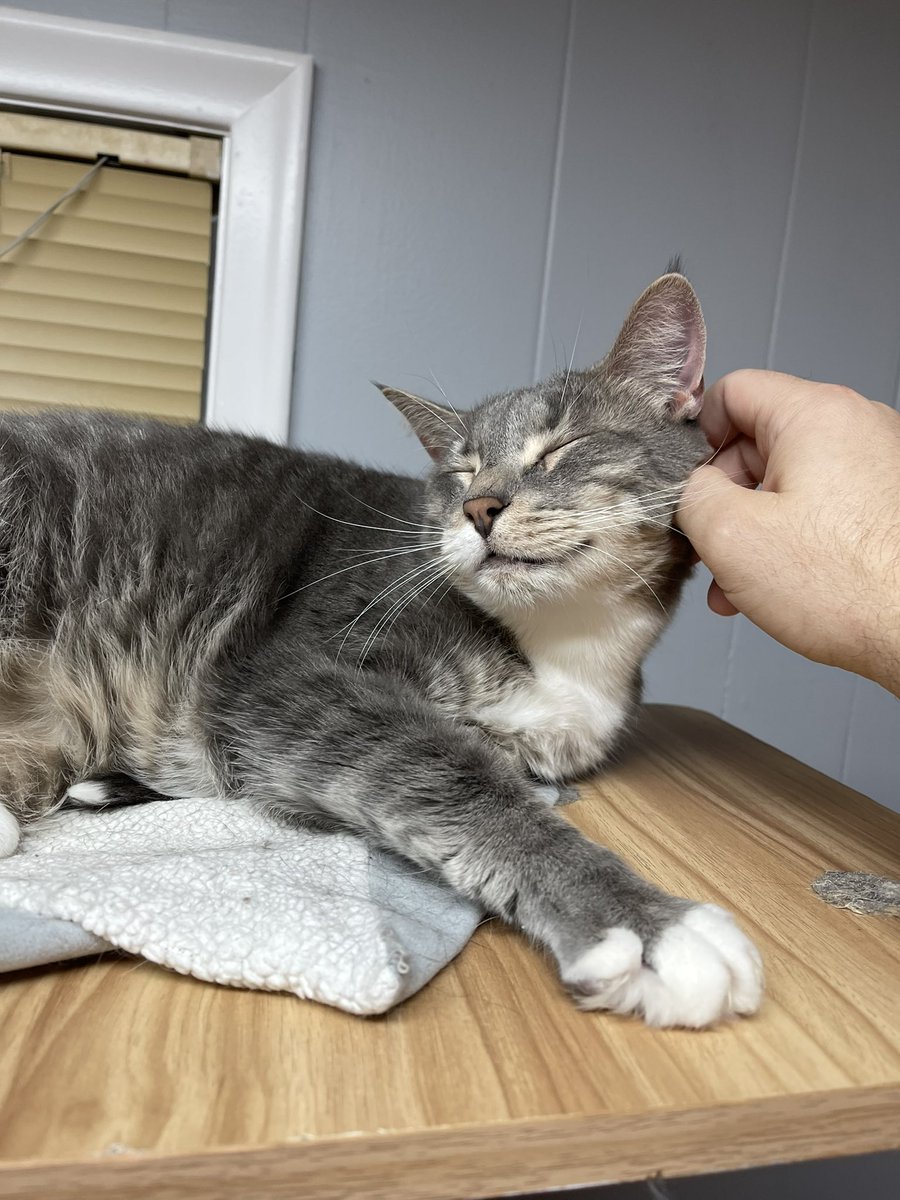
(489, 175)
(486, 175)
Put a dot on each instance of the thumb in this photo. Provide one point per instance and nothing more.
(714, 513)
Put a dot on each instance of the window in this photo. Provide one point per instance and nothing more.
(256, 102)
(105, 303)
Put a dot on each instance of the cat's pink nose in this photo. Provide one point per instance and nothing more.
(483, 511)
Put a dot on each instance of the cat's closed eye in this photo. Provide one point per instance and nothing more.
(551, 457)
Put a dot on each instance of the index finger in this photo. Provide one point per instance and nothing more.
(748, 403)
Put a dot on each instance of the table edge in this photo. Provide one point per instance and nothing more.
(468, 1162)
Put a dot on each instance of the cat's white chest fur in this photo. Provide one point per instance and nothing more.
(584, 655)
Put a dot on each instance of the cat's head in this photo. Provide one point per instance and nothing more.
(571, 484)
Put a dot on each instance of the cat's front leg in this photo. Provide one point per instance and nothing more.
(621, 944)
(369, 753)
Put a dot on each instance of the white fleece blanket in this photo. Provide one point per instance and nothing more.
(217, 890)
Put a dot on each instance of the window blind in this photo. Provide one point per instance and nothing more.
(105, 305)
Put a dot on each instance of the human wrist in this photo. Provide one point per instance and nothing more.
(879, 640)
(886, 668)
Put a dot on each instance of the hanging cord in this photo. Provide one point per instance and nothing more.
(657, 1189)
(48, 212)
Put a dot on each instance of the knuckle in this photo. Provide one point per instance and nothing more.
(743, 382)
(841, 394)
(743, 376)
(840, 407)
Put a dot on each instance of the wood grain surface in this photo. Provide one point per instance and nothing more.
(120, 1079)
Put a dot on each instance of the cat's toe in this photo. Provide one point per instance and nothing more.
(9, 833)
(698, 971)
(608, 975)
(744, 961)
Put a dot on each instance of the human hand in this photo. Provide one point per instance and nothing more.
(813, 557)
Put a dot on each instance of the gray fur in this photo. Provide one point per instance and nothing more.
(208, 613)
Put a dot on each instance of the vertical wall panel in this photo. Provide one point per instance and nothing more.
(840, 311)
(872, 758)
(839, 320)
(680, 136)
(433, 140)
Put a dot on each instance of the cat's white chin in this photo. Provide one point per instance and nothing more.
(505, 587)
(500, 597)
(502, 583)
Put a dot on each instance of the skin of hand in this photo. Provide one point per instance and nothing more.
(813, 556)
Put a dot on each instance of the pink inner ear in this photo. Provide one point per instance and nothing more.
(662, 347)
(688, 399)
(690, 377)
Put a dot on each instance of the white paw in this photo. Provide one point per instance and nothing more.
(89, 791)
(9, 833)
(700, 970)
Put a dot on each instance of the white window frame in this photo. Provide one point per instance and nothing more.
(258, 101)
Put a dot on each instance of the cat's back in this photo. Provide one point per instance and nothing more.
(93, 501)
(98, 451)
(135, 559)
(86, 484)
(107, 457)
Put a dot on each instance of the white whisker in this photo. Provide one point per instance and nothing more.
(404, 579)
(420, 587)
(359, 524)
(571, 359)
(407, 549)
(353, 567)
(390, 516)
(449, 403)
(434, 379)
(608, 554)
(418, 400)
(397, 607)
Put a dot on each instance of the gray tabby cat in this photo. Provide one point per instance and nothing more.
(209, 614)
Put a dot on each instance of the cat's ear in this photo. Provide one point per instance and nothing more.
(661, 348)
(438, 429)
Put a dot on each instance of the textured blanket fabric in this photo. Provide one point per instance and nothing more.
(217, 890)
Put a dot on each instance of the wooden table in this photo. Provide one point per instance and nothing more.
(119, 1079)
